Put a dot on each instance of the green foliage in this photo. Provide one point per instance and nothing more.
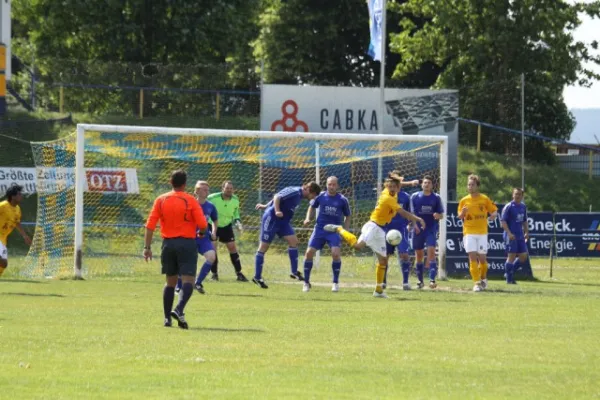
(315, 42)
(547, 188)
(167, 44)
(479, 42)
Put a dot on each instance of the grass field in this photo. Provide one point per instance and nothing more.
(103, 338)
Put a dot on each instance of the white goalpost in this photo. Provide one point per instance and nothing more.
(119, 171)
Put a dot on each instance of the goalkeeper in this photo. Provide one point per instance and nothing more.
(228, 209)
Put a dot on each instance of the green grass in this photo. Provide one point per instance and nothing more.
(548, 188)
(104, 339)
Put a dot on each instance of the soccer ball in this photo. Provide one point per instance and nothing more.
(393, 237)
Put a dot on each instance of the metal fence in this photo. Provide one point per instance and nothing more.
(588, 164)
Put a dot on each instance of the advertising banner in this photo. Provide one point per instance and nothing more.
(355, 110)
(52, 180)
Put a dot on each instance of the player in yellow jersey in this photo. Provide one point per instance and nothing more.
(372, 233)
(475, 209)
(10, 218)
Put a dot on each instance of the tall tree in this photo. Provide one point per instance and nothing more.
(484, 45)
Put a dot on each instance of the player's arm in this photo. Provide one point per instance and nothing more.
(409, 183)
(199, 217)
(276, 205)
(150, 227)
(346, 212)
(411, 217)
(439, 212)
(347, 222)
(411, 204)
(24, 234)
(237, 220)
(507, 230)
(310, 215)
(492, 209)
(504, 221)
(463, 209)
(526, 227)
(214, 216)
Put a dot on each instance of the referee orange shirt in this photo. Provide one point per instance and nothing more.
(179, 213)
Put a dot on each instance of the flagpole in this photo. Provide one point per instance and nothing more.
(381, 94)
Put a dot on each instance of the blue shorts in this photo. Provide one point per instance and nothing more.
(204, 244)
(319, 237)
(424, 238)
(403, 247)
(516, 246)
(271, 226)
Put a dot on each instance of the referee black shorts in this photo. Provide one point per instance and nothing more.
(225, 234)
(179, 256)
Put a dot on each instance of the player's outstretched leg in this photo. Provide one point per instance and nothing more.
(347, 236)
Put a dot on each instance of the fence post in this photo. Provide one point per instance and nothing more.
(141, 103)
(218, 106)
(61, 99)
(478, 138)
(591, 166)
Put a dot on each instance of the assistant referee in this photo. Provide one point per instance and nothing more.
(181, 221)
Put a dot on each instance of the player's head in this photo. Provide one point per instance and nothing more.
(517, 194)
(427, 184)
(227, 188)
(332, 185)
(14, 194)
(179, 179)
(473, 183)
(393, 182)
(311, 190)
(395, 174)
(201, 190)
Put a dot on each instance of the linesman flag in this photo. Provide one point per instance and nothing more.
(375, 20)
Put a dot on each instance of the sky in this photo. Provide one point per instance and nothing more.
(579, 97)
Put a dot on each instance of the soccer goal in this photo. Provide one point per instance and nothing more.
(96, 187)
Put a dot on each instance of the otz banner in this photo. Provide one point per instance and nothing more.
(576, 235)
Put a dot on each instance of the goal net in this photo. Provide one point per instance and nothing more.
(96, 188)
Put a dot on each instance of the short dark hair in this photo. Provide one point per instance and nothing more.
(13, 191)
(225, 183)
(313, 187)
(428, 177)
(520, 189)
(178, 178)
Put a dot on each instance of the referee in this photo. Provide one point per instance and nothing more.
(181, 220)
(228, 209)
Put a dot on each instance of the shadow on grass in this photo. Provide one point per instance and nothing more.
(233, 330)
(33, 294)
(21, 281)
(235, 295)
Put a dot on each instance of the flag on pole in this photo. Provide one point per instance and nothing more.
(375, 20)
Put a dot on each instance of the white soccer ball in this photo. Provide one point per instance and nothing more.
(393, 237)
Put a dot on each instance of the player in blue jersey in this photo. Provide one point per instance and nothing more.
(276, 221)
(204, 242)
(334, 208)
(401, 224)
(427, 205)
(516, 233)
